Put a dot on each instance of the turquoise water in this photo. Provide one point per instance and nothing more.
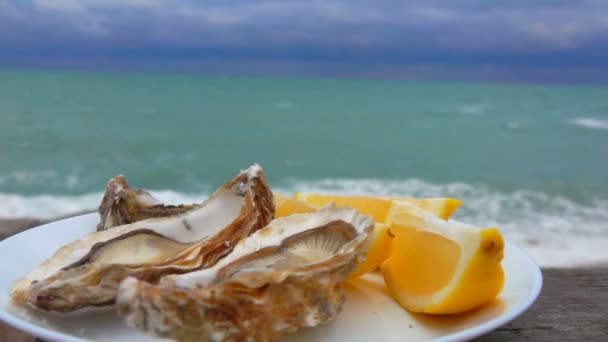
(517, 154)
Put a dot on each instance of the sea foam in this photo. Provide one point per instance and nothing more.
(556, 231)
(592, 123)
(472, 109)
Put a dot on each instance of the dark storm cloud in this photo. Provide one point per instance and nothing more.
(367, 33)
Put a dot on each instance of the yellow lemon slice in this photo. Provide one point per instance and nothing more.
(378, 251)
(441, 267)
(377, 207)
(285, 206)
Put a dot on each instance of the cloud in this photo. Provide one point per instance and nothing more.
(386, 31)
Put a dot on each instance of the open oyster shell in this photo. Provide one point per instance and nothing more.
(87, 272)
(285, 276)
(123, 205)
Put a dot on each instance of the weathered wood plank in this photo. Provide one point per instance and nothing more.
(572, 306)
(8, 333)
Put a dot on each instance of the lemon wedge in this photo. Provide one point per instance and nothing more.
(377, 252)
(285, 206)
(377, 207)
(440, 267)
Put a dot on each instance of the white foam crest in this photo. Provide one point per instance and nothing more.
(28, 176)
(34, 177)
(284, 104)
(593, 123)
(472, 109)
(47, 206)
(556, 231)
(513, 124)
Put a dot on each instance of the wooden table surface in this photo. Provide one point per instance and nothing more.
(573, 305)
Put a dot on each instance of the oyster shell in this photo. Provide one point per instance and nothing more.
(87, 272)
(285, 276)
(123, 205)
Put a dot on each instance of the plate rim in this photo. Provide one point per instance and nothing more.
(469, 333)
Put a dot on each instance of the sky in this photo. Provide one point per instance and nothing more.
(516, 40)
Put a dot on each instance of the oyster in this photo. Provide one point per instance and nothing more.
(284, 276)
(87, 272)
(123, 205)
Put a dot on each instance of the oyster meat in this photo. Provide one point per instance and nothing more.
(87, 272)
(284, 276)
(122, 205)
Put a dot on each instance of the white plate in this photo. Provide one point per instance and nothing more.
(368, 315)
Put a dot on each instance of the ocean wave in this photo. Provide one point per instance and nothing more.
(48, 206)
(40, 177)
(27, 177)
(593, 123)
(555, 230)
(45, 206)
(472, 109)
(513, 124)
(284, 104)
(542, 224)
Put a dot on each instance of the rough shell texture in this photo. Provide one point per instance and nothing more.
(285, 276)
(122, 205)
(88, 271)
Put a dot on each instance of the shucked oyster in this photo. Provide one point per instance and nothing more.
(123, 205)
(87, 272)
(285, 276)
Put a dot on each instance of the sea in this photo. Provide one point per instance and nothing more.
(531, 160)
